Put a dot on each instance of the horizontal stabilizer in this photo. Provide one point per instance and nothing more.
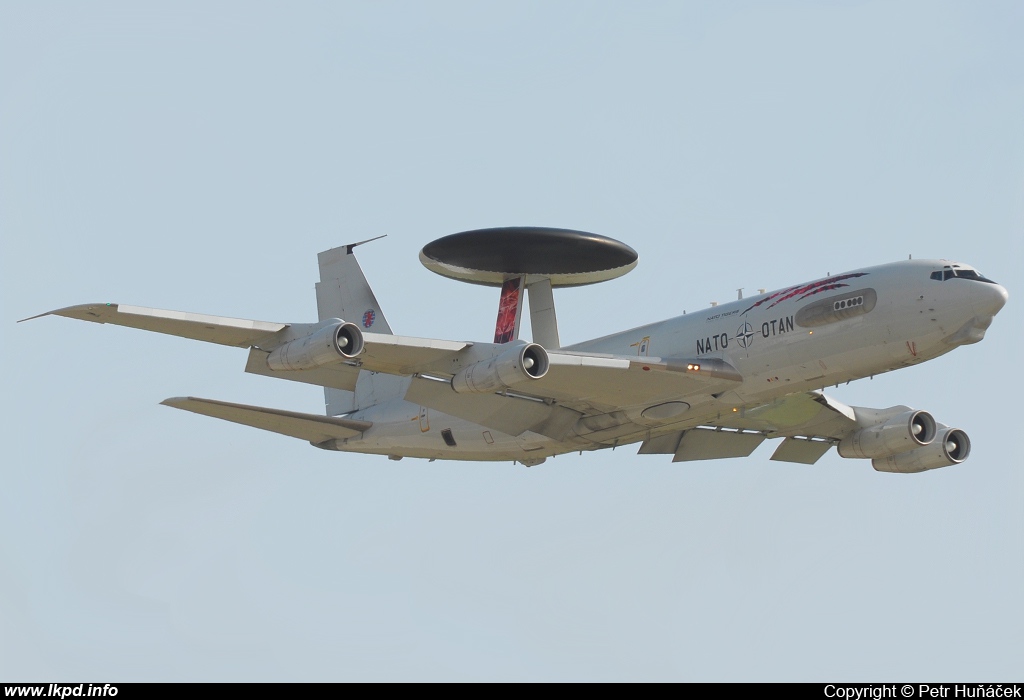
(305, 426)
(222, 330)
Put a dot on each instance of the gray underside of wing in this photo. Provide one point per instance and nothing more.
(396, 354)
(305, 426)
(337, 376)
(806, 415)
(810, 423)
(703, 443)
(612, 383)
(507, 414)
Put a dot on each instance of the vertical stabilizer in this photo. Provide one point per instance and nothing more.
(343, 292)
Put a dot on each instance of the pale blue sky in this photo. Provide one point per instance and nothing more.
(197, 156)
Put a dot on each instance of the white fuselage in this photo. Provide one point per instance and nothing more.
(801, 338)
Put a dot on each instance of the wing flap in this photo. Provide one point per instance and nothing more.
(662, 444)
(801, 451)
(704, 443)
(222, 330)
(305, 426)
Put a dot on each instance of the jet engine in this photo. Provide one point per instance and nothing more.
(951, 447)
(515, 366)
(333, 342)
(900, 433)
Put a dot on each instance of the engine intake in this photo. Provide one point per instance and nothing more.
(952, 447)
(336, 341)
(901, 433)
(515, 366)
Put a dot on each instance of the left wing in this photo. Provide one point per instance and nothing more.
(811, 423)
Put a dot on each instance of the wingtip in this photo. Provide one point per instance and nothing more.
(176, 401)
(45, 313)
(78, 311)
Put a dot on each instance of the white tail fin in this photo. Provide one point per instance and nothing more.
(343, 292)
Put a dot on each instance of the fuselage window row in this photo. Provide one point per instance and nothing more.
(848, 303)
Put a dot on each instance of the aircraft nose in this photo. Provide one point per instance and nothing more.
(993, 299)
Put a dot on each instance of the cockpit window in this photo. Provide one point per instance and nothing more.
(951, 272)
(973, 275)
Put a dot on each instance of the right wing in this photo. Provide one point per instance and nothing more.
(385, 353)
(211, 329)
(589, 384)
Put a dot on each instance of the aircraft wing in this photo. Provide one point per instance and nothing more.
(211, 329)
(811, 414)
(305, 426)
(575, 386)
(384, 353)
(591, 383)
(810, 423)
(588, 383)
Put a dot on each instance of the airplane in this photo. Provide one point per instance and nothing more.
(708, 385)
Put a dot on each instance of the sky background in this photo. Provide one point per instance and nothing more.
(197, 156)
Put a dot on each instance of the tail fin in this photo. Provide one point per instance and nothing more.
(343, 292)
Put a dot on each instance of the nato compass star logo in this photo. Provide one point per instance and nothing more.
(745, 335)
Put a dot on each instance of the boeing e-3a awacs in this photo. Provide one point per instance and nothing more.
(704, 385)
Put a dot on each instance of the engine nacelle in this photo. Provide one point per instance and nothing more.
(515, 366)
(951, 447)
(901, 433)
(337, 341)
